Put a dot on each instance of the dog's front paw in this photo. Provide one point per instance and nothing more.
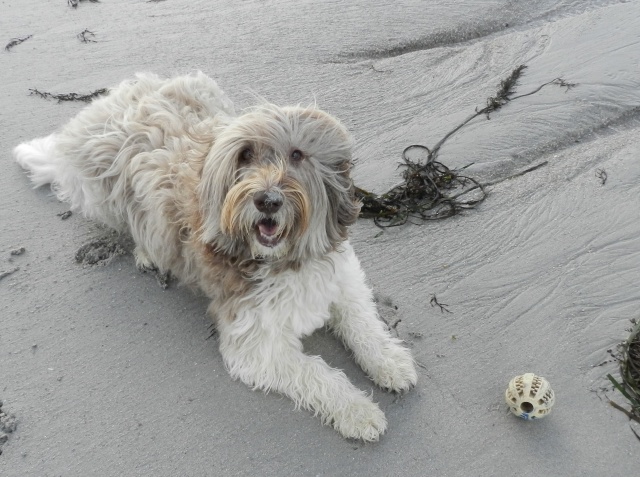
(360, 419)
(394, 369)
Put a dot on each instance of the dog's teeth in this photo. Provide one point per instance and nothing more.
(267, 230)
(270, 238)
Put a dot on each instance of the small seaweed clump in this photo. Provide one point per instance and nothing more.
(16, 41)
(630, 375)
(86, 36)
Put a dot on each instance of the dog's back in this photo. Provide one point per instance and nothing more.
(101, 155)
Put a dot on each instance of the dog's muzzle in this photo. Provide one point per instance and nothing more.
(268, 203)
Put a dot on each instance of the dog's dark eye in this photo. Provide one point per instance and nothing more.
(246, 155)
(297, 155)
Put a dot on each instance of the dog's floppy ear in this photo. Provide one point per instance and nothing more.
(344, 199)
(216, 178)
(349, 211)
(337, 145)
(347, 206)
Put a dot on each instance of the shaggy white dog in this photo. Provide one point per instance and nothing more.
(253, 209)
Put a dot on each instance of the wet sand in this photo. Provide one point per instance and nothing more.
(108, 373)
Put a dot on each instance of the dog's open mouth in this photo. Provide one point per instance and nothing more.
(267, 232)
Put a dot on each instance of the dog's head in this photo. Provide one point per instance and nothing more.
(276, 185)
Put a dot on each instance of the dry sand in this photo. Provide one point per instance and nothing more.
(108, 374)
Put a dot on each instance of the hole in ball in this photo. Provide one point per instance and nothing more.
(526, 407)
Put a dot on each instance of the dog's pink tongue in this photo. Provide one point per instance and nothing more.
(268, 229)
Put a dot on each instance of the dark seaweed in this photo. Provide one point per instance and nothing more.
(84, 35)
(629, 386)
(430, 190)
(16, 41)
(69, 96)
(74, 3)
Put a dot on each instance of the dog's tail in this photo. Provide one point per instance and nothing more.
(38, 157)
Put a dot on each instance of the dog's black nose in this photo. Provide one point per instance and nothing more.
(268, 202)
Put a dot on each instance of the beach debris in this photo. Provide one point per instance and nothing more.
(69, 96)
(430, 190)
(84, 35)
(17, 251)
(602, 175)
(65, 215)
(6, 273)
(629, 384)
(8, 424)
(74, 3)
(443, 306)
(16, 41)
(529, 396)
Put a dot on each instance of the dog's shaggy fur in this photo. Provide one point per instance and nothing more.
(253, 209)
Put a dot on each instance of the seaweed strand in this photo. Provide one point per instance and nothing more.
(430, 190)
(16, 41)
(69, 96)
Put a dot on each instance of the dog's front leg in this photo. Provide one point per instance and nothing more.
(272, 359)
(355, 320)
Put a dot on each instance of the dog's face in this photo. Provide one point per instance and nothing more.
(276, 185)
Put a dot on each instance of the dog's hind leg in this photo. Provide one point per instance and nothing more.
(355, 320)
(143, 262)
(274, 361)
